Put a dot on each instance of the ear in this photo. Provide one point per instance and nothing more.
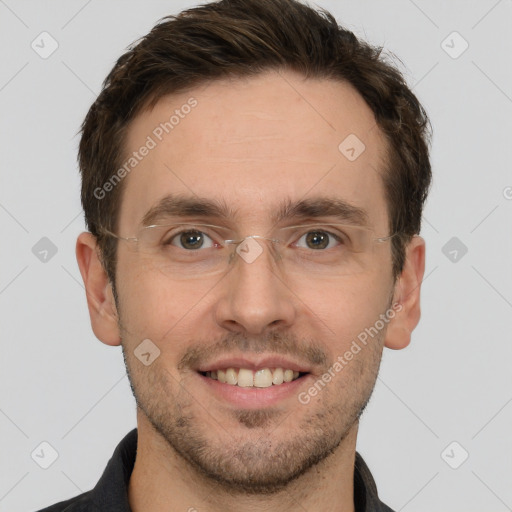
(100, 297)
(406, 297)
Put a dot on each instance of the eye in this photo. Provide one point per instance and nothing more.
(319, 239)
(191, 239)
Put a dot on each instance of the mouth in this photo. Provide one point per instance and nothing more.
(254, 381)
(254, 378)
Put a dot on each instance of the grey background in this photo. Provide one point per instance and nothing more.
(60, 385)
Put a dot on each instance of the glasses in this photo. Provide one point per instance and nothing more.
(195, 251)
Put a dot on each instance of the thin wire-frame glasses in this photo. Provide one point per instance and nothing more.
(186, 250)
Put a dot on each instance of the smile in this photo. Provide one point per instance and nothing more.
(246, 378)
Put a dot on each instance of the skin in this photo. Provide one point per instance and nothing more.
(262, 139)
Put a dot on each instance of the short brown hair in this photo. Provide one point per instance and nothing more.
(241, 38)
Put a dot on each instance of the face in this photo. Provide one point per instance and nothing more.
(253, 145)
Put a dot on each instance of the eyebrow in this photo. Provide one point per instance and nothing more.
(311, 208)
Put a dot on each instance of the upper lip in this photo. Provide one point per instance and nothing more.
(255, 363)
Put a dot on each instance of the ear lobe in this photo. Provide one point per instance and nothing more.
(406, 298)
(100, 298)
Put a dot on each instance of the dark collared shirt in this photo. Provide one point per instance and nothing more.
(111, 491)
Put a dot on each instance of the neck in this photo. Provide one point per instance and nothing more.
(163, 481)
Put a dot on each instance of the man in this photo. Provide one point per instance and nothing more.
(253, 178)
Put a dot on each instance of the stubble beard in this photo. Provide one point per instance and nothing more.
(253, 459)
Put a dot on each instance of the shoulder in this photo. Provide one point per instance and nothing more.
(80, 503)
(111, 491)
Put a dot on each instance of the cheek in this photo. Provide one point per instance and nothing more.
(152, 305)
(345, 309)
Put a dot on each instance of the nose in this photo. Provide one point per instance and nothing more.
(255, 296)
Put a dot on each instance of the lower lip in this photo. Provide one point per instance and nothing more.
(252, 397)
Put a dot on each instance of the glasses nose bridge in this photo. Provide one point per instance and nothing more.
(261, 237)
(249, 252)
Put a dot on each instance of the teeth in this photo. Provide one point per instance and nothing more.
(278, 376)
(263, 378)
(246, 378)
(231, 376)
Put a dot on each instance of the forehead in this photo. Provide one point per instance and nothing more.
(254, 144)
